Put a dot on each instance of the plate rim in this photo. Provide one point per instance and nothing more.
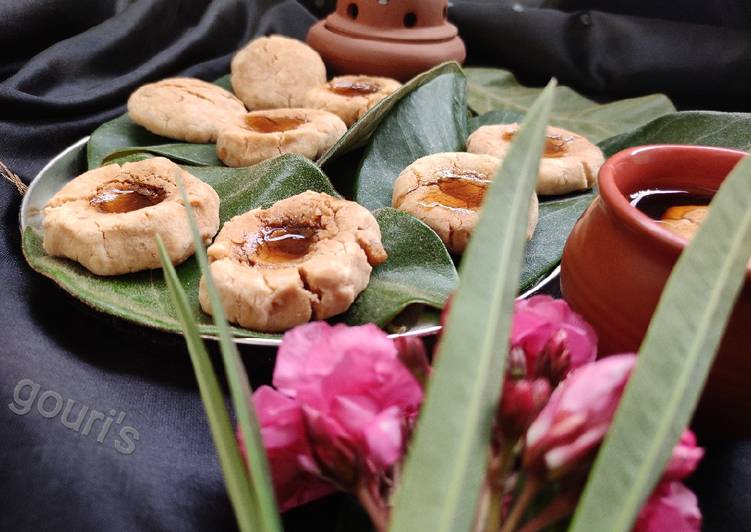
(262, 342)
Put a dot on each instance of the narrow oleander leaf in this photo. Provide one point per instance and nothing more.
(240, 391)
(673, 362)
(446, 461)
(230, 460)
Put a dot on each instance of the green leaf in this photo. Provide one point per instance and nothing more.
(490, 88)
(557, 219)
(191, 154)
(446, 462)
(705, 128)
(431, 119)
(360, 132)
(233, 468)
(673, 362)
(400, 281)
(494, 117)
(141, 297)
(260, 473)
(121, 137)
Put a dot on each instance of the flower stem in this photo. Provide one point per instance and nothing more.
(374, 506)
(562, 506)
(531, 486)
(497, 473)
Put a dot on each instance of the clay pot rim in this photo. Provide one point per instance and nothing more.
(620, 206)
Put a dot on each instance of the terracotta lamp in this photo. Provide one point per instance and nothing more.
(392, 38)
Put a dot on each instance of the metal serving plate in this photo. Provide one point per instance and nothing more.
(72, 161)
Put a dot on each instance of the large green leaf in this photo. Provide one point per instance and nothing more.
(446, 462)
(397, 283)
(360, 132)
(122, 136)
(142, 296)
(673, 362)
(431, 119)
(705, 128)
(489, 89)
(417, 127)
(557, 219)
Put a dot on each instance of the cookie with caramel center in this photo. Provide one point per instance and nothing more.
(107, 219)
(265, 134)
(306, 257)
(447, 190)
(569, 163)
(350, 97)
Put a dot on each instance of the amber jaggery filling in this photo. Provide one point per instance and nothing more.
(556, 145)
(456, 189)
(126, 196)
(684, 220)
(344, 87)
(278, 245)
(266, 124)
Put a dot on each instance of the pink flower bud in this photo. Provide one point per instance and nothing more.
(672, 506)
(414, 357)
(686, 456)
(578, 415)
(553, 337)
(521, 401)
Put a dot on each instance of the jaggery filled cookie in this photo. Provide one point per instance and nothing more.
(350, 97)
(275, 72)
(446, 191)
(309, 255)
(184, 109)
(107, 219)
(570, 162)
(265, 134)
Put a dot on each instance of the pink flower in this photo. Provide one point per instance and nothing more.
(521, 401)
(354, 403)
(286, 444)
(686, 456)
(672, 507)
(578, 415)
(553, 337)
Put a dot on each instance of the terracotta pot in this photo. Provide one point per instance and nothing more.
(392, 38)
(617, 260)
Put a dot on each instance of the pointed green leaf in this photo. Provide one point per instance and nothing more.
(489, 89)
(260, 474)
(396, 284)
(446, 461)
(704, 128)
(230, 460)
(360, 132)
(431, 119)
(673, 362)
(121, 137)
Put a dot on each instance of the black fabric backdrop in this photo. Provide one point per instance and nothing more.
(67, 66)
